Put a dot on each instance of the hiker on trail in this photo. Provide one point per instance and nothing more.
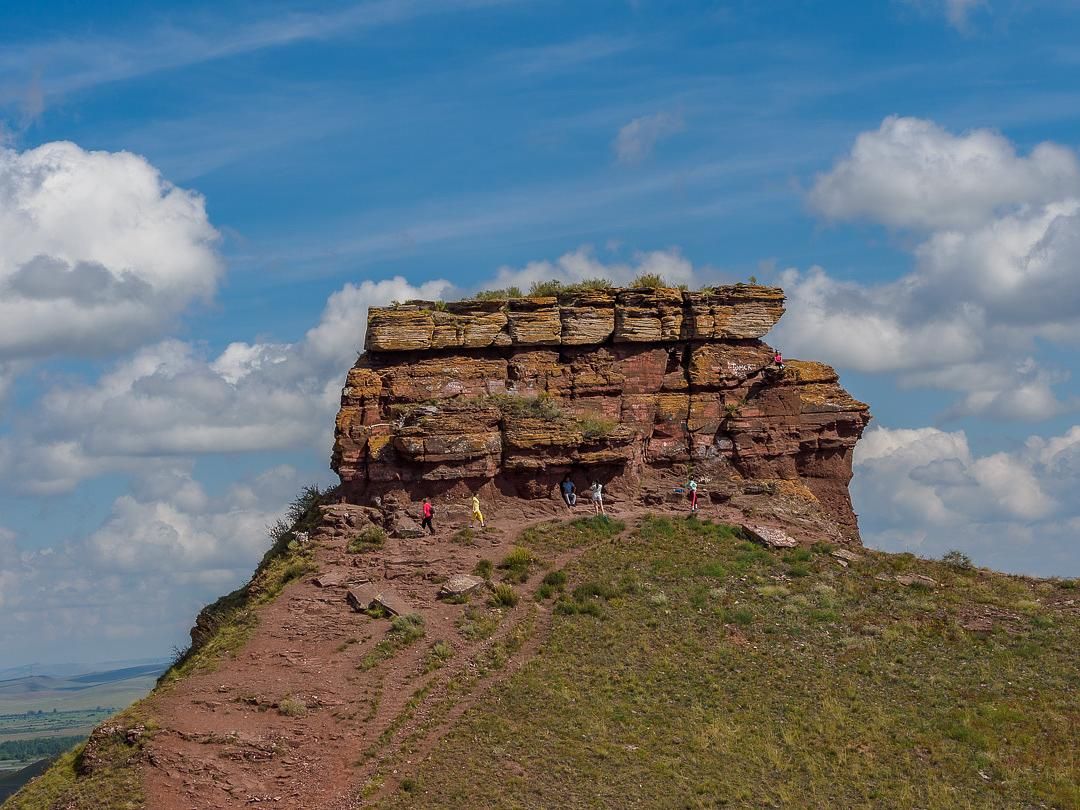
(428, 512)
(778, 361)
(597, 491)
(476, 513)
(568, 491)
(692, 488)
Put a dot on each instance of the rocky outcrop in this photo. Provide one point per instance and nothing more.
(610, 384)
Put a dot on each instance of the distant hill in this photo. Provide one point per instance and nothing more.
(70, 669)
(116, 687)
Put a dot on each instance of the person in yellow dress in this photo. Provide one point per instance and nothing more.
(476, 513)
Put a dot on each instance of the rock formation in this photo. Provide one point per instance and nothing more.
(616, 385)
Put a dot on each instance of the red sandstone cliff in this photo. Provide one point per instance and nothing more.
(614, 385)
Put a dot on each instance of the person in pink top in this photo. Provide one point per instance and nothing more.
(778, 360)
(428, 512)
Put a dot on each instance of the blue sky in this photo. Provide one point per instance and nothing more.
(198, 203)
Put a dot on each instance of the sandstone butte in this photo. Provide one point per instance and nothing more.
(635, 388)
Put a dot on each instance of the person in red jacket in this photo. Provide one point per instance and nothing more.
(778, 360)
(429, 512)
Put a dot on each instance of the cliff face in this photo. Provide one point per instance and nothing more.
(617, 385)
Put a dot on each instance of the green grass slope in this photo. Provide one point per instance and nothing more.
(687, 668)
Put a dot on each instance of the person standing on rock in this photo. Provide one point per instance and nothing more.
(428, 512)
(692, 488)
(597, 490)
(568, 493)
(476, 513)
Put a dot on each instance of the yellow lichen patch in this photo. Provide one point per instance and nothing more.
(830, 396)
(793, 489)
(808, 371)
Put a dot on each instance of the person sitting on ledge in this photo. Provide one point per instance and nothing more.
(568, 493)
(778, 361)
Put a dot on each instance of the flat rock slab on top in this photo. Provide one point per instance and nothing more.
(329, 579)
(363, 597)
(460, 584)
(770, 536)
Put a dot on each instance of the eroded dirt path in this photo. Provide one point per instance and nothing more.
(296, 719)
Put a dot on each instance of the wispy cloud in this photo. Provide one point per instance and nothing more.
(67, 65)
(637, 139)
(565, 55)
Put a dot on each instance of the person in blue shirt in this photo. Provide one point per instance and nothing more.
(568, 491)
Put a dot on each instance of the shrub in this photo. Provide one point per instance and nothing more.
(484, 568)
(595, 427)
(569, 607)
(292, 707)
(368, 539)
(438, 655)
(498, 295)
(516, 564)
(543, 406)
(957, 559)
(408, 628)
(653, 280)
(504, 595)
(555, 287)
(556, 579)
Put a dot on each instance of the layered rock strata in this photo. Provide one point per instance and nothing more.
(606, 384)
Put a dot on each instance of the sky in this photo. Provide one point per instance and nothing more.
(198, 203)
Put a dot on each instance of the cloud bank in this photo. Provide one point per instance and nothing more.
(996, 243)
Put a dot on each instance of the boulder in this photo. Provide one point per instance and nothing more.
(460, 584)
(770, 536)
(329, 579)
(365, 597)
(908, 580)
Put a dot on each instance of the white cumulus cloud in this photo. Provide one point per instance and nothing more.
(997, 241)
(97, 251)
(912, 173)
(924, 490)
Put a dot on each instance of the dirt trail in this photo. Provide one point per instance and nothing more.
(226, 743)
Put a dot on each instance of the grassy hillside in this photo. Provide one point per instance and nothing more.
(688, 668)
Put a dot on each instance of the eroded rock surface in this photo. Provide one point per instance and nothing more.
(610, 385)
